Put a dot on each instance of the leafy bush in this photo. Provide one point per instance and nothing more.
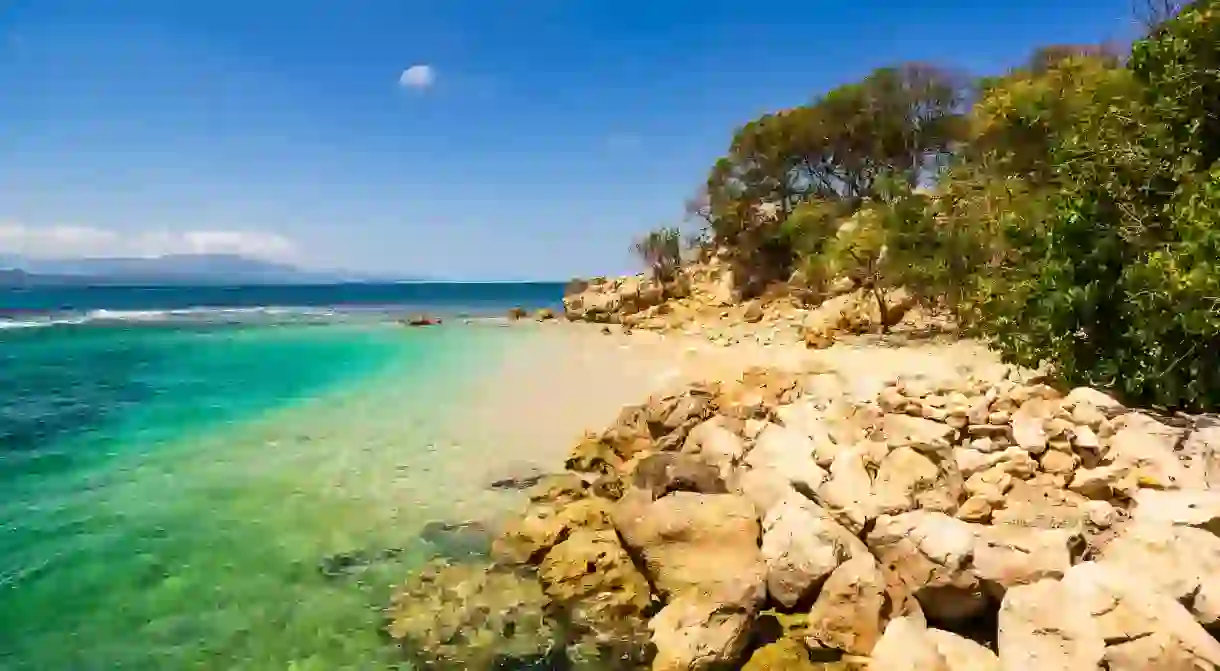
(661, 252)
(1102, 260)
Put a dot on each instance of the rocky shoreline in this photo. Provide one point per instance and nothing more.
(970, 519)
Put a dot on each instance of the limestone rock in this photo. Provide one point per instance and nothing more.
(1140, 628)
(1007, 555)
(590, 577)
(806, 418)
(1097, 399)
(801, 546)
(701, 543)
(789, 452)
(908, 479)
(1148, 447)
(527, 539)
(906, 646)
(929, 555)
(978, 509)
(990, 484)
(558, 489)
(467, 616)
(1101, 514)
(668, 472)
(1028, 422)
(852, 608)
(757, 393)
(1181, 562)
(1013, 460)
(716, 444)
(692, 633)
(1059, 462)
(1201, 451)
(1104, 483)
(962, 654)
(1044, 507)
(1041, 628)
(763, 488)
(1189, 507)
(921, 434)
(848, 493)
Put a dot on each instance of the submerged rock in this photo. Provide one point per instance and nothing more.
(420, 320)
(342, 564)
(466, 617)
(461, 540)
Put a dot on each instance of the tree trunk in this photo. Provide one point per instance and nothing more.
(882, 310)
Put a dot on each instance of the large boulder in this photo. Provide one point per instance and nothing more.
(962, 654)
(592, 581)
(1188, 507)
(469, 617)
(1141, 629)
(1201, 450)
(1042, 628)
(757, 393)
(525, 540)
(706, 544)
(1007, 555)
(852, 608)
(848, 493)
(1042, 506)
(928, 555)
(1098, 617)
(693, 633)
(1149, 449)
(668, 472)
(908, 479)
(906, 646)
(715, 443)
(788, 452)
(802, 545)
(806, 418)
(1180, 561)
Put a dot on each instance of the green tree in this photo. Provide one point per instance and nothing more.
(1095, 189)
(899, 121)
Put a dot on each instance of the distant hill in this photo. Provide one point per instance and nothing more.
(171, 269)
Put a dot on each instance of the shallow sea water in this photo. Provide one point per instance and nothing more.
(168, 492)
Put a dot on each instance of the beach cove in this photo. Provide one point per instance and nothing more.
(212, 489)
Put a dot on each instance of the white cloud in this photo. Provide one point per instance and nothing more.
(418, 77)
(84, 241)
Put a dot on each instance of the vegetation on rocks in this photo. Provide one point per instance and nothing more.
(1066, 212)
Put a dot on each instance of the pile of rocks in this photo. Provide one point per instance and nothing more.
(702, 302)
(780, 522)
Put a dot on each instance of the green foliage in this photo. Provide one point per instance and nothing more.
(1074, 219)
(898, 121)
(661, 251)
(1101, 256)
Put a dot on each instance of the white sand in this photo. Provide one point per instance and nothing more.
(565, 379)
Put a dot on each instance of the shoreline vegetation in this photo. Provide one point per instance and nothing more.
(979, 437)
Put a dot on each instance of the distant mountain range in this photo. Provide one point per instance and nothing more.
(175, 269)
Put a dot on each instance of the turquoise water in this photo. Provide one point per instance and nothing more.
(168, 487)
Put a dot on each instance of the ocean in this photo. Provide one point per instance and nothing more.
(186, 472)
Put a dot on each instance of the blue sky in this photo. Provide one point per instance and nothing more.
(541, 136)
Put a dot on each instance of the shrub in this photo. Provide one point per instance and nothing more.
(1101, 255)
(661, 252)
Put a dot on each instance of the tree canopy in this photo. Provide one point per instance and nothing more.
(1067, 211)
